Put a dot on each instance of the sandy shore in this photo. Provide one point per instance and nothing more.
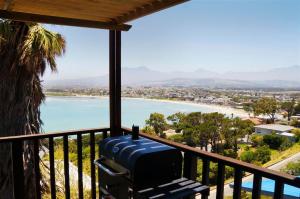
(218, 108)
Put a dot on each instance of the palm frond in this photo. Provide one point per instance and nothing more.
(41, 47)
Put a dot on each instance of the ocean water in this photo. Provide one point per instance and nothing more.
(69, 113)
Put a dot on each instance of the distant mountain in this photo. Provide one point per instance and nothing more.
(285, 74)
(225, 83)
(287, 77)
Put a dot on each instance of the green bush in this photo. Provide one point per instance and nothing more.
(292, 168)
(230, 153)
(176, 138)
(263, 154)
(257, 140)
(273, 140)
(296, 132)
(286, 143)
(247, 156)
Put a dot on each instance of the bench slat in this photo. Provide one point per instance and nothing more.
(176, 189)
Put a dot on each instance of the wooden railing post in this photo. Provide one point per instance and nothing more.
(52, 169)
(92, 158)
(37, 169)
(256, 186)
(18, 169)
(237, 188)
(205, 174)
(279, 188)
(79, 165)
(220, 180)
(190, 167)
(66, 166)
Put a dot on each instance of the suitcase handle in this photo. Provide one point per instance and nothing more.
(100, 164)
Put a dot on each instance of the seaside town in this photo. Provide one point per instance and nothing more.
(235, 98)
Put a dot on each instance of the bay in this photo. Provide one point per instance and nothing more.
(70, 113)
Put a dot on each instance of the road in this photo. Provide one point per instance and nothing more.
(277, 167)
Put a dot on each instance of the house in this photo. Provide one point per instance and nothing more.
(279, 129)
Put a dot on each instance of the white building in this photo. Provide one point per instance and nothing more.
(279, 129)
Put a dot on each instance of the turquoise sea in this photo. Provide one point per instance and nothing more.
(69, 113)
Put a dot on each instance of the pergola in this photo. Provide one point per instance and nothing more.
(104, 14)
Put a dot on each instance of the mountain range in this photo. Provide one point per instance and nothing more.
(285, 77)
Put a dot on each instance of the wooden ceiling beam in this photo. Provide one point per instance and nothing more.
(148, 9)
(7, 4)
(20, 16)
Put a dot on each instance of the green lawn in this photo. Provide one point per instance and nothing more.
(277, 156)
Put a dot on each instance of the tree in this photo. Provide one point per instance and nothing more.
(148, 130)
(247, 156)
(257, 140)
(214, 123)
(26, 49)
(240, 128)
(248, 107)
(297, 108)
(275, 141)
(177, 121)
(289, 107)
(263, 154)
(158, 122)
(266, 106)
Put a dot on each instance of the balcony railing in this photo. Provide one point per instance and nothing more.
(191, 156)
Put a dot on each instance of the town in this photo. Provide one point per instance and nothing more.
(226, 97)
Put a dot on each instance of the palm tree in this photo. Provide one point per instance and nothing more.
(26, 49)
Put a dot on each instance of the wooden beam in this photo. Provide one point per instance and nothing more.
(148, 9)
(112, 82)
(118, 82)
(20, 16)
(7, 4)
(115, 82)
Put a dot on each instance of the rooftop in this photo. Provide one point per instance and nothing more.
(275, 127)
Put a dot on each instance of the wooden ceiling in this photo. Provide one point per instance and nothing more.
(105, 14)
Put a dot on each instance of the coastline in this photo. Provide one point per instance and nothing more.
(219, 108)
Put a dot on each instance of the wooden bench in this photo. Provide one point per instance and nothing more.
(176, 189)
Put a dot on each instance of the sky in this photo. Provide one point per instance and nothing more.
(215, 35)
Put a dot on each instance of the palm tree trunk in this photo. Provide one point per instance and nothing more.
(6, 178)
(18, 113)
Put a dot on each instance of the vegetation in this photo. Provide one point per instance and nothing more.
(248, 107)
(292, 168)
(246, 195)
(297, 108)
(289, 107)
(294, 122)
(257, 140)
(222, 135)
(296, 132)
(261, 155)
(26, 49)
(266, 106)
(277, 142)
(248, 156)
(158, 122)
